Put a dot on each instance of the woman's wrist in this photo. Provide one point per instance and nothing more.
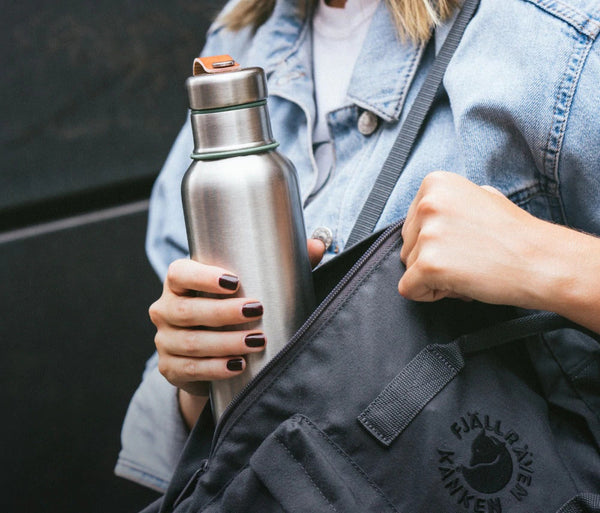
(567, 274)
(191, 406)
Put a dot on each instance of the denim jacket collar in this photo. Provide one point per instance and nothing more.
(283, 47)
(381, 88)
(278, 39)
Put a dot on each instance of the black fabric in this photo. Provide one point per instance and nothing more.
(418, 383)
(487, 441)
(585, 503)
(91, 101)
(436, 365)
(74, 336)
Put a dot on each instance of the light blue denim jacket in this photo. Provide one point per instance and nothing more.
(521, 111)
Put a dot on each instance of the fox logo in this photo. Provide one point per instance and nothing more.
(490, 467)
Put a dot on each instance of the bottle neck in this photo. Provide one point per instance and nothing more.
(237, 130)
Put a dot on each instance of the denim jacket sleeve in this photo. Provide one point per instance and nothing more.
(578, 165)
(153, 432)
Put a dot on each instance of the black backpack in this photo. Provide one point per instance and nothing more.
(382, 404)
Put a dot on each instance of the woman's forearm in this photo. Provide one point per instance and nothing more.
(568, 274)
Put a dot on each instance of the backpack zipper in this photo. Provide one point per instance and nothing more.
(222, 424)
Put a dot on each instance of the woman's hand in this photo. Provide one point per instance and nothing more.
(471, 242)
(190, 351)
(462, 240)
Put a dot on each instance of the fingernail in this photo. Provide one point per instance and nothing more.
(255, 340)
(229, 282)
(236, 364)
(252, 310)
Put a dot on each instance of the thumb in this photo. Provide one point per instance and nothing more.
(316, 250)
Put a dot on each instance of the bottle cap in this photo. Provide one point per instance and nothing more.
(219, 83)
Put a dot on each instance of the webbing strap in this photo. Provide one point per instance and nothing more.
(410, 391)
(582, 503)
(396, 160)
(436, 365)
(515, 329)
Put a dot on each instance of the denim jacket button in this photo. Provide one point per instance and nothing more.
(324, 234)
(367, 122)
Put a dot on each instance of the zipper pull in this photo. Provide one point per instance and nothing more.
(188, 489)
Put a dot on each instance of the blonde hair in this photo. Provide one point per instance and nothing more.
(414, 19)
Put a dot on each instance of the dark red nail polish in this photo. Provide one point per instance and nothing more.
(252, 310)
(235, 364)
(255, 340)
(229, 282)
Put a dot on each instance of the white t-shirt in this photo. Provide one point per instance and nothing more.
(338, 35)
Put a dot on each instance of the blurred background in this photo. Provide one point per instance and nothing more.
(92, 97)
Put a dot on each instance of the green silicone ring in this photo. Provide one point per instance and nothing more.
(259, 103)
(234, 153)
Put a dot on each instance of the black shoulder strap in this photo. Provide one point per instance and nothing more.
(396, 160)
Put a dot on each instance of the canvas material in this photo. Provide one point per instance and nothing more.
(489, 441)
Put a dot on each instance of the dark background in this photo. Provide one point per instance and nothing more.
(92, 97)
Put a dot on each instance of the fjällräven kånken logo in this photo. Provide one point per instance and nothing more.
(485, 466)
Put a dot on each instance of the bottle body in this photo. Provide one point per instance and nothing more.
(244, 214)
(243, 210)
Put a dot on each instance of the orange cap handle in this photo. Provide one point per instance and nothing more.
(215, 64)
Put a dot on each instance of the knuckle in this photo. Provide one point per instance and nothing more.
(189, 342)
(403, 254)
(429, 264)
(158, 342)
(404, 232)
(435, 178)
(189, 370)
(174, 270)
(164, 368)
(428, 206)
(154, 313)
(171, 272)
(403, 287)
(430, 232)
(184, 312)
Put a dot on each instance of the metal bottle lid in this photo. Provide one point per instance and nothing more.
(219, 82)
(228, 109)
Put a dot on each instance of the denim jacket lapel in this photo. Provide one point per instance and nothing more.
(284, 46)
(381, 87)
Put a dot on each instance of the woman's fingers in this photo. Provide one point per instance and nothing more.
(191, 351)
(189, 312)
(185, 276)
(466, 241)
(422, 207)
(203, 343)
(184, 372)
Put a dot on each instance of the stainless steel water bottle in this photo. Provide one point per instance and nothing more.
(242, 207)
